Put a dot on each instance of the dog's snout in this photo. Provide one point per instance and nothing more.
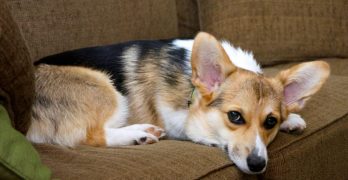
(256, 163)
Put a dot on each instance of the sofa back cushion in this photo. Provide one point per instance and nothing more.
(280, 30)
(188, 22)
(16, 72)
(54, 26)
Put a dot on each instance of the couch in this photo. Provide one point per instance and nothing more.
(280, 33)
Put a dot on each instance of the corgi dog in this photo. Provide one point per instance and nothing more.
(201, 90)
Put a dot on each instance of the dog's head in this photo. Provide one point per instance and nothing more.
(241, 111)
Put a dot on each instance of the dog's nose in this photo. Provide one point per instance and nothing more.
(256, 163)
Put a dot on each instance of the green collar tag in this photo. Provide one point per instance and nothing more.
(191, 98)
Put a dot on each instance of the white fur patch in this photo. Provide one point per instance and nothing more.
(240, 58)
(130, 134)
(201, 129)
(35, 137)
(122, 137)
(131, 56)
(260, 147)
(119, 118)
(294, 122)
(174, 120)
(186, 44)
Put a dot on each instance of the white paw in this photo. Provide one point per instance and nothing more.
(146, 138)
(133, 135)
(294, 123)
(148, 128)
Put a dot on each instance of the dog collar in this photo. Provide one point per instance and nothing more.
(191, 98)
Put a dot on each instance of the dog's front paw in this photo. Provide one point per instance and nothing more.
(146, 139)
(148, 128)
(152, 133)
(137, 134)
(293, 124)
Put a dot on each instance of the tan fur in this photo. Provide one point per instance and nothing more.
(140, 93)
(240, 94)
(221, 60)
(142, 96)
(73, 104)
(254, 96)
(72, 100)
(288, 76)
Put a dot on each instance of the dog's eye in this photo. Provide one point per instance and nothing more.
(235, 117)
(270, 122)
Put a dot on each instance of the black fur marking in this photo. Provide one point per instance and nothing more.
(109, 59)
(217, 102)
(105, 58)
(145, 47)
(213, 145)
(175, 65)
(44, 101)
(143, 139)
(226, 149)
(35, 115)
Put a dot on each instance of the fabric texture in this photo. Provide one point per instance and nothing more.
(18, 158)
(51, 27)
(282, 30)
(16, 72)
(318, 153)
(188, 22)
(338, 66)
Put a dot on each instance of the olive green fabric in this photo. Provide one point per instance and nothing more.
(280, 30)
(18, 158)
(6, 173)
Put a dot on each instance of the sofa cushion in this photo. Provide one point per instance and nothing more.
(280, 30)
(50, 27)
(188, 22)
(319, 153)
(16, 72)
(338, 66)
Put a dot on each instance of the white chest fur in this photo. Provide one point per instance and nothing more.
(174, 120)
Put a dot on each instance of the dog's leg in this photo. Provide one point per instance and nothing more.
(133, 135)
(293, 124)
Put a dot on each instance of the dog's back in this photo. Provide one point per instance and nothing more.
(78, 91)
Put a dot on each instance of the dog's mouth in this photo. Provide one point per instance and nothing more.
(254, 163)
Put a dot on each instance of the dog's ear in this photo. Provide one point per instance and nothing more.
(210, 65)
(300, 82)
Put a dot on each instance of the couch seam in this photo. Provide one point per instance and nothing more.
(199, 15)
(216, 170)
